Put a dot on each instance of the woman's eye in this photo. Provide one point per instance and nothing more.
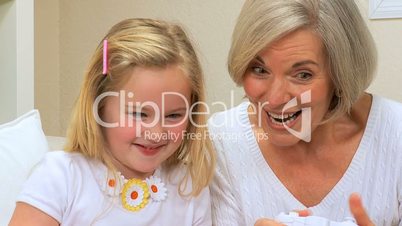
(304, 75)
(258, 70)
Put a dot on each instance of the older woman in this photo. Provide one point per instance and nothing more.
(310, 135)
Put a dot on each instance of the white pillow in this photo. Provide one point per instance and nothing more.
(22, 145)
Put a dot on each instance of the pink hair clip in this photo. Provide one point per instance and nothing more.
(105, 63)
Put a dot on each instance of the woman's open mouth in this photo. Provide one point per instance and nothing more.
(283, 119)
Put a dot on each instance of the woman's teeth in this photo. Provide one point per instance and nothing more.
(283, 119)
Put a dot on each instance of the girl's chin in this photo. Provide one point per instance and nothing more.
(141, 170)
(142, 174)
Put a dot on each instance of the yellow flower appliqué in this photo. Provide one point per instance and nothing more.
(135, 195)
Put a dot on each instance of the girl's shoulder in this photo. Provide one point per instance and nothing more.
(63, 159)
(60, 155)
(175, 178)
(65, 164)
(172, 176)
(53, 181)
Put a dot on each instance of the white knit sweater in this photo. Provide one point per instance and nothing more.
(245, 188)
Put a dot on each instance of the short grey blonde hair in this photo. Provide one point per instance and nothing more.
(146, 43)
(349, 46)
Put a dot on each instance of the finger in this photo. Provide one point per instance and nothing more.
(267, 222)
(304, 213)
(358, 211)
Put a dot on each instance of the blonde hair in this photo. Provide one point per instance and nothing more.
(348, 44)
(148, 43)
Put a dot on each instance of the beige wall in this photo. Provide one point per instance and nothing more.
(77, 26)
(16, 58)
(8, 64)
(387, 34)
(47, 65)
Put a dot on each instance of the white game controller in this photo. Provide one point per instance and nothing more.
(293, 219)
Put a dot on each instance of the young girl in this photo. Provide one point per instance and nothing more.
(128, 160)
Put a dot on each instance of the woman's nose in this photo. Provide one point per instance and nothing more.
(277, 93)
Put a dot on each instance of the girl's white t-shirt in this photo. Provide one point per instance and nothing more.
(68, 187)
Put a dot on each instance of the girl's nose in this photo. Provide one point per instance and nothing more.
(157, 132)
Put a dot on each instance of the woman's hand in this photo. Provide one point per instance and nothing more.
(356, 207)
(358, 211)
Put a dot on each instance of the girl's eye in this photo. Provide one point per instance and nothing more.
(304, 76)
(174, 116)
(139, 114)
